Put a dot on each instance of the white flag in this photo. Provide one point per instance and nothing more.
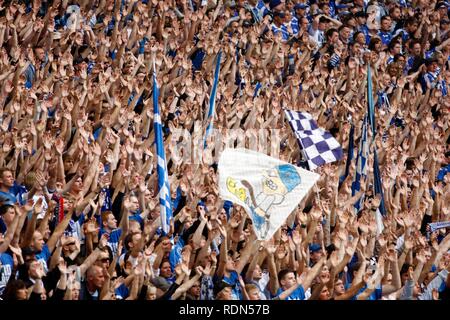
(267, 188)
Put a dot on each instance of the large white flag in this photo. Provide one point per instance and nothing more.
(268, 188)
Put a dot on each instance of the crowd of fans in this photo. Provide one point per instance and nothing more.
(78, 184)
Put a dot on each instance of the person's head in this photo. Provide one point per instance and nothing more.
(230, 264)
(432, 65)
(386, 23)
(324, 292)
(75, 290)
(37, 242)
(315, 251)
(68, 163)
(95, 277)
(134, 204)
(375, 44)
(442, 9)
(332, 36)
(109, 222)
(257, 273)
(300, 9)
(355, 49)
(323, 23)
(195, 290)
(278, 17)
(151, 293)
(277, 5)
(361, 17)
(164, 270)
(359, 37)
(252, 291)
(77, 185)
(344, 33)
(415, 47)
(287, 279)
(395, 13)
(411, 25)
(133, 243)
(39, 53)
(103, 260)
(6, 178)
(339, 287)
(224, 293)
(7, 213)
(395, 48)
(15, 290)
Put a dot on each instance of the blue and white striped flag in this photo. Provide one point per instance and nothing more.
(163, 178)
(350, 155)
(361, 169)
(212, 100)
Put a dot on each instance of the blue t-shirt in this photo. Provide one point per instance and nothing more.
(121, 292)
(298, 294)
(175, 253)
(8, 198)
(233, 279)
(386, 37)
(375, 295)
(43, 257)
(6, 266)
(113, 241)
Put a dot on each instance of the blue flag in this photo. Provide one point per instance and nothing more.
(212, 100)
(163, 178)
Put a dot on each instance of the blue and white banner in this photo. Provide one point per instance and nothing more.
(267, 188)
(439, 225)
(212, 100)
(163, 178)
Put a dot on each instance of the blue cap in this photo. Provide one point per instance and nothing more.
(315, 247)
(274, 3)
(300, 6)
(289, 176)
(227, 205)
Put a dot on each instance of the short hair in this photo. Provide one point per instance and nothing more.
(105, 215)
(128, 239)
(163, 261)
(4, 208)
(392, 44)
(3, 170)
(324, 20)
(398, 56)
(251, 286)
(92, 271)
(385, 18)
(283, 273)
(330, 32)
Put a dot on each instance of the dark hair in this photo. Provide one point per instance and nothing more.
(384, 18)
(283, 273)
(373, 42)
(11, 289)
(405, 268)
(392, 45)
(330, 32)
(398, 56)
(4, 208)
(128, 239)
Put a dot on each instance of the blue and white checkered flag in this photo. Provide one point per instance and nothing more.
(318, 145)
(163, 178)
(361, 168)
